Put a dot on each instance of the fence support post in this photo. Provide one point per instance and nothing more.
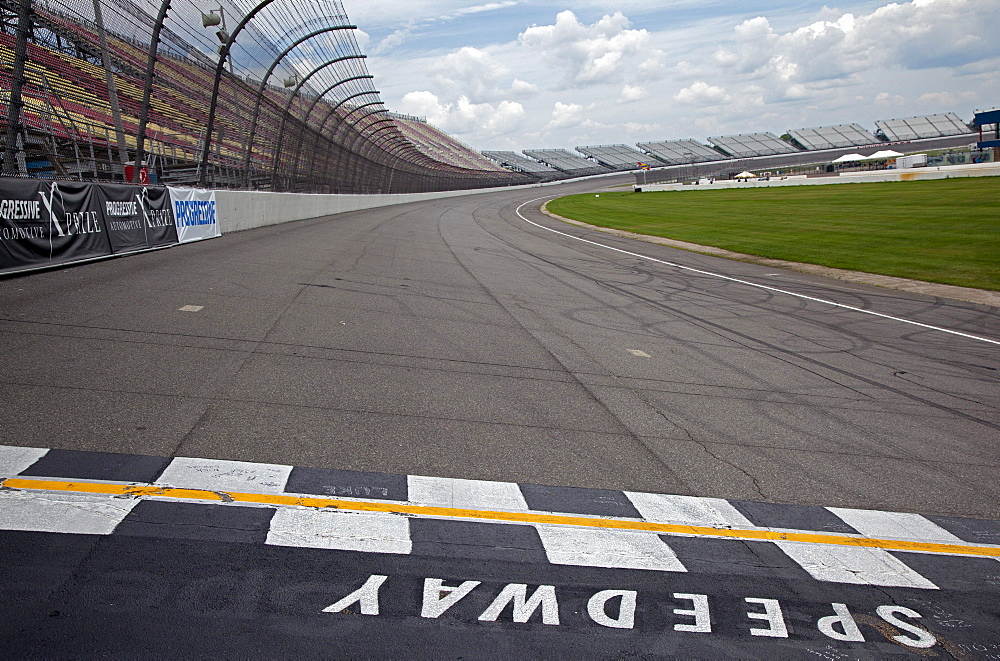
(14, 126)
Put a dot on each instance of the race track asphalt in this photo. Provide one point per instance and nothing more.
(453, 338)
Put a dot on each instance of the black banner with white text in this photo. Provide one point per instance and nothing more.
(51, 223)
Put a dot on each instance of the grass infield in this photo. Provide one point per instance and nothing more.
(945, 231)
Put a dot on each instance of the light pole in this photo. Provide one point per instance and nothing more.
(217, 17)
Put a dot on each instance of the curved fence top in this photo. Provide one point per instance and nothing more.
(294, 106)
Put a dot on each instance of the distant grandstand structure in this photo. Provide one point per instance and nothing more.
(677, 152)
(520, 163)
(270, 95)
(752, 144)
(617, 157)
(730, 154)
(442, 146)
(567, 162)
(831, 137)
(923, 126)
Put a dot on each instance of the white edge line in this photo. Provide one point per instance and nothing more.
(747, 282)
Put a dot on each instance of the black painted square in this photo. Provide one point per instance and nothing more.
(217, 523)
(973, 575)
(348, 484)
(976, 531)
(78, 465)
(795, 517)
(734, 557)
(575, 500)
(476, 541)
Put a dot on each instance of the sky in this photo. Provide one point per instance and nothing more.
(519, 74)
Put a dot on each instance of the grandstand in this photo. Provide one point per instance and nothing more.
(832, 137)
(435, 143)
(618, 157)
(921, 126)
(326, 131)
(678, 152)
(573, 165)
(752, 144)
(519, 163)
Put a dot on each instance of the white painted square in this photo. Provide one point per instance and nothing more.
(191, 308)
(688, 510)
(853, 564)
(465, 494)
(75, 513)
(639, 352)
(220, 475)
(612, 549)
(374, 532)
(896, 525)
(14, 460)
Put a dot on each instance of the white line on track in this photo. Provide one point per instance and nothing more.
(747, 282)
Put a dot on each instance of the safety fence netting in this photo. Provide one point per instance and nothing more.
(271, 95)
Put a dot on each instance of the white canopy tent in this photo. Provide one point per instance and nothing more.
(885, 153)
(849, 158)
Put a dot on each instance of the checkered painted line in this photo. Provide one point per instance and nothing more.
(66, 491)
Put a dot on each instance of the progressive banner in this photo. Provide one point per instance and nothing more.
(51, 223)
(137, 218)
(44, 224)
(195, 214)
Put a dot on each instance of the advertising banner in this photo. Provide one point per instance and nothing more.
(43, 224)
(158, 215)
(194, 214)
(137, 218)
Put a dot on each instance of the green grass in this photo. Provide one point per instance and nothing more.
(944, 231)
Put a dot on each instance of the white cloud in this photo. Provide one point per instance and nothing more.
(946, 99)
(635, 128)
(395, 39)
(464, 116)
(565, 114)
(886, 99)
(478, 9)
(363, 39)
(912, 35)
(521, 86)
(587, 53)
(471, 71)
(701, 93)
(633, 93)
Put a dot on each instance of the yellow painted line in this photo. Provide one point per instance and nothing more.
(761, 534)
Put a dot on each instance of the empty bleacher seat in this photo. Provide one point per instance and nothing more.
(832, 137)
(678, 152)
(752, 144)
(618, 157)
(922, 126)
(565, 161)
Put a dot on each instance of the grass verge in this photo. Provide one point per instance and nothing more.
(945, 231)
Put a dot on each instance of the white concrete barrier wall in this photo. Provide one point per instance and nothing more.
(243, 210)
